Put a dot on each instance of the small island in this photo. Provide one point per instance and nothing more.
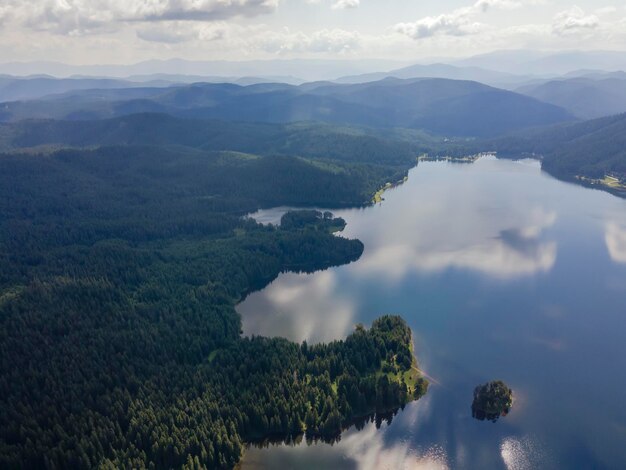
(313, 220)
(491, 401)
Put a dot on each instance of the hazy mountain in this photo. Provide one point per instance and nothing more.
(14, 88)
(500, 68)
(445, 107)
(488, 77)
(305, 69)
(503, 60)
(524, 62)
(28, 88)
(584, 97)
(595, 74)
(244, 81)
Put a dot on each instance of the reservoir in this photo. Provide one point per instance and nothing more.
(502, 272)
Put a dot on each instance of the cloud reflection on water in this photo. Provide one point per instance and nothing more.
(367, 449)
(522, 454)
(500, 248)
(616, 241)
(299, 307)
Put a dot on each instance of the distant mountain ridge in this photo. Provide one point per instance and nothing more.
(32, 87)
(440, 106)
(442, 70)
(304, 69)
(28, 88)
(586, 98)
(545, 63)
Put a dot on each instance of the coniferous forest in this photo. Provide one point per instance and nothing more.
(120, 346)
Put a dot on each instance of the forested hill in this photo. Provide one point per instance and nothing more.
(590, 149)
(444, 107)
(311, 140)
(120, 345)
(585, 97)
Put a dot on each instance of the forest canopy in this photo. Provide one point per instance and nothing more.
(120, 346)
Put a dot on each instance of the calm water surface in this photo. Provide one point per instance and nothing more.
(502, 273)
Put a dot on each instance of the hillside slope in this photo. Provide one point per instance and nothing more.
(591, 149)
(445, 107)
(584, 97)
(310, 140)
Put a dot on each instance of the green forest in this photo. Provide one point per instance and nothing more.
(590, 148)
(120, 269)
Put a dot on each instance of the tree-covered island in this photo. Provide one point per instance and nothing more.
(491, 401)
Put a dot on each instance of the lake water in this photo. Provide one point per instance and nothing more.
(502, 272)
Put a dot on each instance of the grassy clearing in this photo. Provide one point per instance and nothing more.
(212, 355)
(239, 156)
(325, 166)
(613, 182)
(413, 377)
(10, 294)
(609, 182)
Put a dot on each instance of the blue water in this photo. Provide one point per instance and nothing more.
(502, 272)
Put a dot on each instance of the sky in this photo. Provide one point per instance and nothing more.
(128, 31)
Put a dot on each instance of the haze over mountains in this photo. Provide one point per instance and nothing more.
(280, 70)
(585, 98)
(441, 70)
(388, 115)
(522, 63)
(464, 97)
(440, 106)
(530, 62)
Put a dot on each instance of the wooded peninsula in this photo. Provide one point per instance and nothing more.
(120, 269)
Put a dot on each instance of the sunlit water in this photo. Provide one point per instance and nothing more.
(502, 273)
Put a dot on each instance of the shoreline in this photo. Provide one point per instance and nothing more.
(378, 195)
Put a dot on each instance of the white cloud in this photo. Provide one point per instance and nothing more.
(484, 5)
(326, 40)
(70, 17)
(574, 21)
(79, 17)
(5, 13)
(231, 29)
(176, 32)
(606, 10)
(344, 4)
(255, 38)
(459, 22)
(448, 24)
(338, 4)
(169, 37)
(198, 9)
